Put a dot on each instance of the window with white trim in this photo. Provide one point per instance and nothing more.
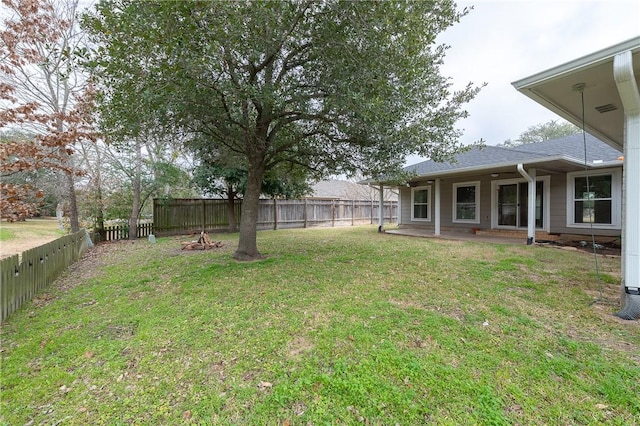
(594, 199)
(466, 202)
(421, 203)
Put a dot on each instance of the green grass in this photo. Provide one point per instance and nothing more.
(35, 227)
(336, 326)
(6, 234)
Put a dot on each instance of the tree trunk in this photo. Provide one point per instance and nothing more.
(247, 245)
(135, 208)
(60, 215)
(74, 222)
(73, 204)
(99, 228)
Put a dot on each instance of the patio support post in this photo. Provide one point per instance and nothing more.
(531, 203)
(628, 91)
(437, 209)
(380, 208)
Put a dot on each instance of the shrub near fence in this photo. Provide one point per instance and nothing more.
(22, 279)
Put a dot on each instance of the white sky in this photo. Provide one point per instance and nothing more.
(502, 41)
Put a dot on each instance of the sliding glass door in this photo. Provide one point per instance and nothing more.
(513, 204)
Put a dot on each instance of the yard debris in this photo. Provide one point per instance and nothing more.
(203, 243)
(265, 385)
(607, 248)
(594, 245)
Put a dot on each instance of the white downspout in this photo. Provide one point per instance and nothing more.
(531, 203)
(380, 208)
(437, 209)
(399, 209)
(628, 91)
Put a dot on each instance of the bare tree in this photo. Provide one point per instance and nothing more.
(42, 90)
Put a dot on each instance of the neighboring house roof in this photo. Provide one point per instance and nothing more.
(560, 153)
(338, 189)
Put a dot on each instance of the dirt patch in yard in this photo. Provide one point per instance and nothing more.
(86, 268)
(606, 248)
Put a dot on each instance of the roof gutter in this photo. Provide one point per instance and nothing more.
(488, 167)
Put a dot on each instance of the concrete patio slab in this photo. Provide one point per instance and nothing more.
(461, 236)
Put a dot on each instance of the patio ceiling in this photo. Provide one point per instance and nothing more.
(559, 89)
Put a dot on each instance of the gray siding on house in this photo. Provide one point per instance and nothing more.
(552, 159)
(446, 204)
(557, 206)
(558, 203)
(558, 213)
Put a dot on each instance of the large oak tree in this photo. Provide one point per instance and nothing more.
(334, 86)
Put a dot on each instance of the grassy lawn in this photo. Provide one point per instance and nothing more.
(6, 234)
(16, 237)
(337, 326)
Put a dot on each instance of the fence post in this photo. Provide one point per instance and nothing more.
(333, 212)
(371, 211)
(204, 215)
(353, 211)
(275, 214)
(304, 213)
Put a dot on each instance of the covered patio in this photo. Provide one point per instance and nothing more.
(605, 246)
(456, 235)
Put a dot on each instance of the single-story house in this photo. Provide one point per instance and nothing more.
(489, 188)
(600, 91)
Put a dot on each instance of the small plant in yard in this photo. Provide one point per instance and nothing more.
(335, 326)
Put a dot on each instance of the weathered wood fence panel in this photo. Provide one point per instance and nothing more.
(121, 232)
(175, 216)
(22, 277)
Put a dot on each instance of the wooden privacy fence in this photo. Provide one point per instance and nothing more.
(22, 278)
(173, 216)
(121, 232)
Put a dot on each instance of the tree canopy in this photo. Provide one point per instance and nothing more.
(542, 132)
(332, 86)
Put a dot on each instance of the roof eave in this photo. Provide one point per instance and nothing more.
(596, 58)
(537, 87)
(531, 162)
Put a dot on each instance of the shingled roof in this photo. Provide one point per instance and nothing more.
(569, 148)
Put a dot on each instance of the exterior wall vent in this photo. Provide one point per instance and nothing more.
(606, 108)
